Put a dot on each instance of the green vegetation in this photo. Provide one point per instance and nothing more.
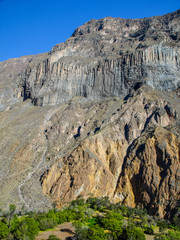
(53, 237)
(4, 230)
(93, 219)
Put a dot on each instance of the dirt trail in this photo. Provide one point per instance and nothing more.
(63, 231)
(149, 237)
(30, 175)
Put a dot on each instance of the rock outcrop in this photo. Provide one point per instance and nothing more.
(105, 57)
(129, 155)
(98, 114)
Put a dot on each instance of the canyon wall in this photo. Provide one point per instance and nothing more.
(56, 80)
(98, 114)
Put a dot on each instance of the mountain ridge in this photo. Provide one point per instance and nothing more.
(96, 114)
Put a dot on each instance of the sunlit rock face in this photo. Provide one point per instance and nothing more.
(102, 58)
(57, 79)
(99, 114)
(128, 151)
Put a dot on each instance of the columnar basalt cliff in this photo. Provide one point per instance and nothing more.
(56, 80)
(105, 57)
(97, 114)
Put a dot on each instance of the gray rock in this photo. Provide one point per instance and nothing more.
(103, 58)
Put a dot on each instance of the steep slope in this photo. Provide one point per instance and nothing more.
(98, 114)
(108, 57)
(123, 150)
(105, 57)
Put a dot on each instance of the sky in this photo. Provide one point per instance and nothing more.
(32, 27)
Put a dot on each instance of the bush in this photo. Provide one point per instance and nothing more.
(91, 233)
(124, 210)
(171, 235)
(96, 233)
(66, 216)
(78, 202)
(98, 203)
(26, 229)
(32, 227)
(132, 234)
(62, 217)
(53, 215)
(46, 223)
(112, 225)
(53, 237)
(162, 224)
(176, 220)
(149, 230)
(4, 230)
(14, 223)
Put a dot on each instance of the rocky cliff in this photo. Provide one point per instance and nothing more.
(123, 150)
(98, 114)
(105, 57)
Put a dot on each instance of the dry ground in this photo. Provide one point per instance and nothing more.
(63, 231)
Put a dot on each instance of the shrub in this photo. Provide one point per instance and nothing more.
(174, 235)
(132, 234)
(162, 225)
(149, 230)
(77, 202)
(53, 237)
(176, 220)
(124, 210)
(31, 227)
(112, 225)
(91, 233)
(96, 233)
(53, 215)
(171, 235)
(62, 217)
(98, 203)
(46, 223)
(4, 230)
(14, 223)
(67, 216)
(26, 229)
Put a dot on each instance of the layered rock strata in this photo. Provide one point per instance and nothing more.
(86, 118)
(105, 57)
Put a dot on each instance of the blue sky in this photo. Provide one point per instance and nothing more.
(31, 27)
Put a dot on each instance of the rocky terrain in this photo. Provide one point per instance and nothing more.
(98, 114)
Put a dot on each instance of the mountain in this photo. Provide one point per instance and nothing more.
(98, 114)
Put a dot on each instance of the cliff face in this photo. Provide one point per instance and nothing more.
(98, 114)
(103, 58)
(58, 79)
(151, 173)
(124, 151)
